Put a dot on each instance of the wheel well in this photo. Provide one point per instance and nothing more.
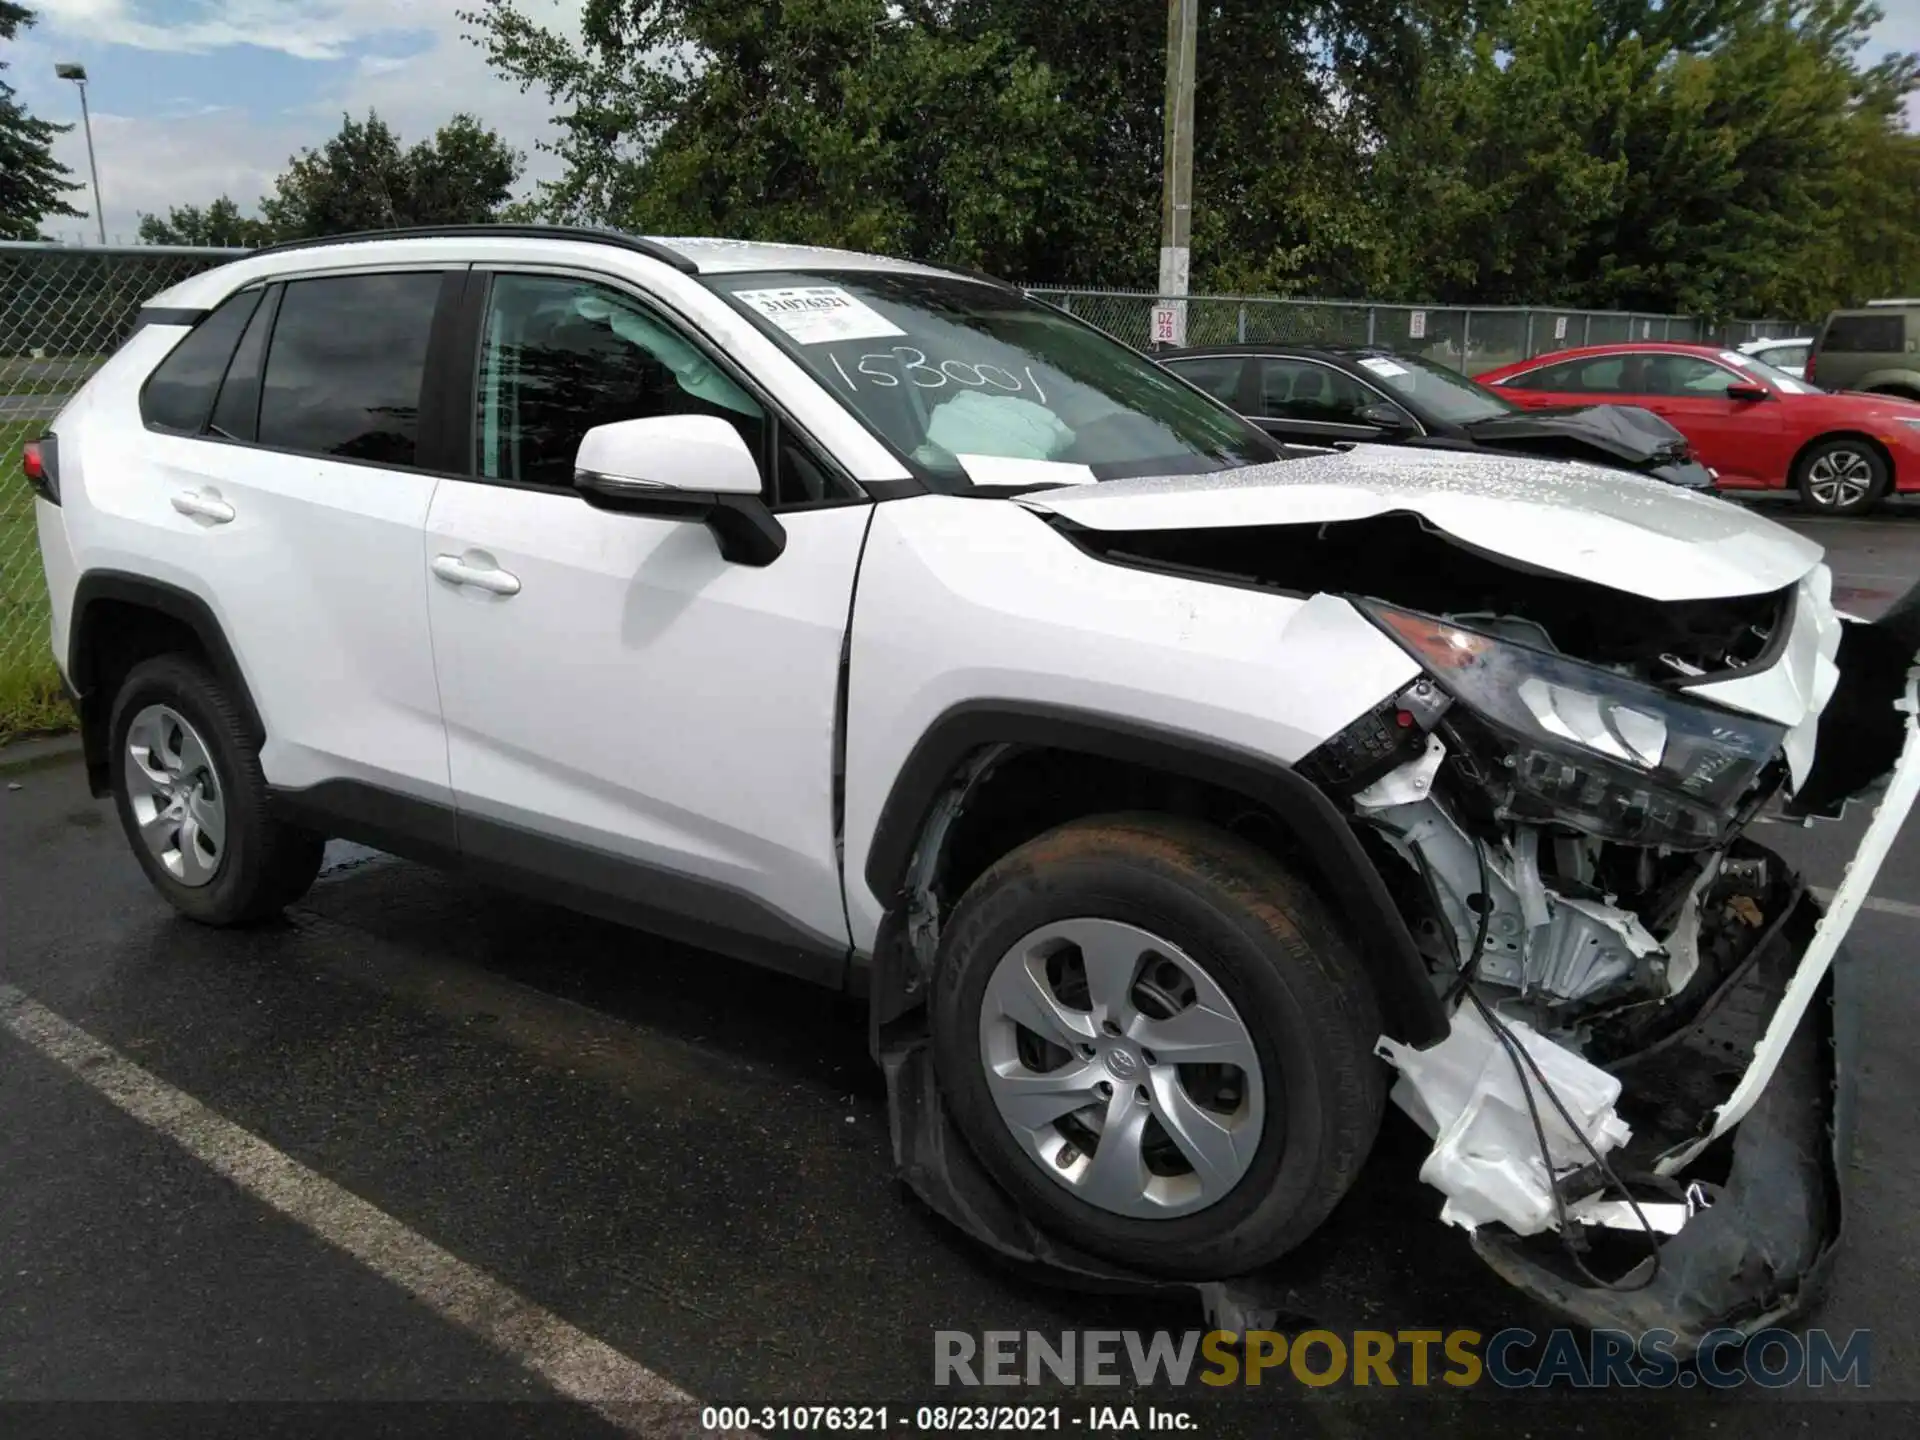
(1032, 791)
(120, 620)
(114, 636)
(1800, 458)
(1010, 795)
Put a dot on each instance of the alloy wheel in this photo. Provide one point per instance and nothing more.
(1839, 477)
(1122, 1068)
(175, 795)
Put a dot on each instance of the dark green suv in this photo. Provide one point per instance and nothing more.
(1876, 349)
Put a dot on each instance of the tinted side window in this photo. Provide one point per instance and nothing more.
(1218, 375)
(1603, 376)
(1687, 375)
(1306, 390)
(236, 414)
(178, 395)
(561, 356)
(344, 370)
(1547, 377)
(1866, 334)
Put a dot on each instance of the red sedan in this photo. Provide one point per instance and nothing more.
(1758, 428)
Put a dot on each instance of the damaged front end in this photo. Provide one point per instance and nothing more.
(1640, 1110)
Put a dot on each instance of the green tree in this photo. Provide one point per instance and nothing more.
(1718, 156)
(1713, 158)
(32, 183)
(853, 122)
(220, 224)
(362, 179)
(1023, 135)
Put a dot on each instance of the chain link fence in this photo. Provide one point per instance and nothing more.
(64, 309)
(1473, 340)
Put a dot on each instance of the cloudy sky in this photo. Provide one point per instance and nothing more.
(196, 98)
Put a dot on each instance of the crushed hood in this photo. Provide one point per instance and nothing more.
(1609, 527)
(1619, 432)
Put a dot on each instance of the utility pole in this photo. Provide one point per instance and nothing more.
(78, 74)
(1176, 198)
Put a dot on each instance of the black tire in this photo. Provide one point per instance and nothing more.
(265, 864)
(1272, 947)
(1852, 453)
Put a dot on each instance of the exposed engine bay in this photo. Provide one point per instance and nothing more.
(1560, 804)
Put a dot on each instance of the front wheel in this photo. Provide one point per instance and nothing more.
(1158, 1042)
(1842, 476)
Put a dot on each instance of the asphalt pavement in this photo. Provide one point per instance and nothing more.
(445, 1158)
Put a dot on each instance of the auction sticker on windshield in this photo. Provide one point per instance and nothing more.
(1382, 367)
(817, 314)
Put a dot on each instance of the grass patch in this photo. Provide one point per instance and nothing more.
(31, 700)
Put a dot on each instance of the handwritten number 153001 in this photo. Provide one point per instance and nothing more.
(887, 369)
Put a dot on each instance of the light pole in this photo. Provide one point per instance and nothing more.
(78, 74)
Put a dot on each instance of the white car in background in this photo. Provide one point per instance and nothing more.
(1788, 355)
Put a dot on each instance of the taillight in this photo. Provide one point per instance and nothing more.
(40, 459)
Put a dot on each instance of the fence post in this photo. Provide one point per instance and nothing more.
(1586, 329)
(1371, 312)
(1240, 332)
(1066, 303)
(1526, 345)
(1466, 340)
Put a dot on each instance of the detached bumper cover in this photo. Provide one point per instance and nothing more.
(1763, 1251)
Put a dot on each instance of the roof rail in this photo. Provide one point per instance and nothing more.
(1894, 302)
(639, 244)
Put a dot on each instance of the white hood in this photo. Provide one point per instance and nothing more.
(1606, 526)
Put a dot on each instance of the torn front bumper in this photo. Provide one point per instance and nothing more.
(1761, 1253)
(1776, 1146)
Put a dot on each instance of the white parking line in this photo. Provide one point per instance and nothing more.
(569, 1360)
(1885, 907)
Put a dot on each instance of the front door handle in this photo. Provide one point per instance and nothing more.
(203, 506)
(457, 571)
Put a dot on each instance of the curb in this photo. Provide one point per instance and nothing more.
(23, 755)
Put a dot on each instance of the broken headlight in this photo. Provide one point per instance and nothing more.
(1578, 745)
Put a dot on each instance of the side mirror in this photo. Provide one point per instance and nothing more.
(1748, 393)
(682, 467)
(1386, 416)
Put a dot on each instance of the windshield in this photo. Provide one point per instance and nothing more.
(972, 384)
(1779, 379)
(1436, 392)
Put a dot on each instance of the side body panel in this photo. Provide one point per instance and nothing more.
(645, 698)
(964, 600)
(316, 579)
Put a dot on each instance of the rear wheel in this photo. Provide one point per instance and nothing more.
(1842, 476)
(193, 801)
(1159, 1044)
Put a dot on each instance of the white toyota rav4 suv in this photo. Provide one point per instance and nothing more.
(1170, 793)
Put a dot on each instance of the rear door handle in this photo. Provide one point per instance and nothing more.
(457, 571)
(203, 506)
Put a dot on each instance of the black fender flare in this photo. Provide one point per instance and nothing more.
(1410, 1007)
(83, 649)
